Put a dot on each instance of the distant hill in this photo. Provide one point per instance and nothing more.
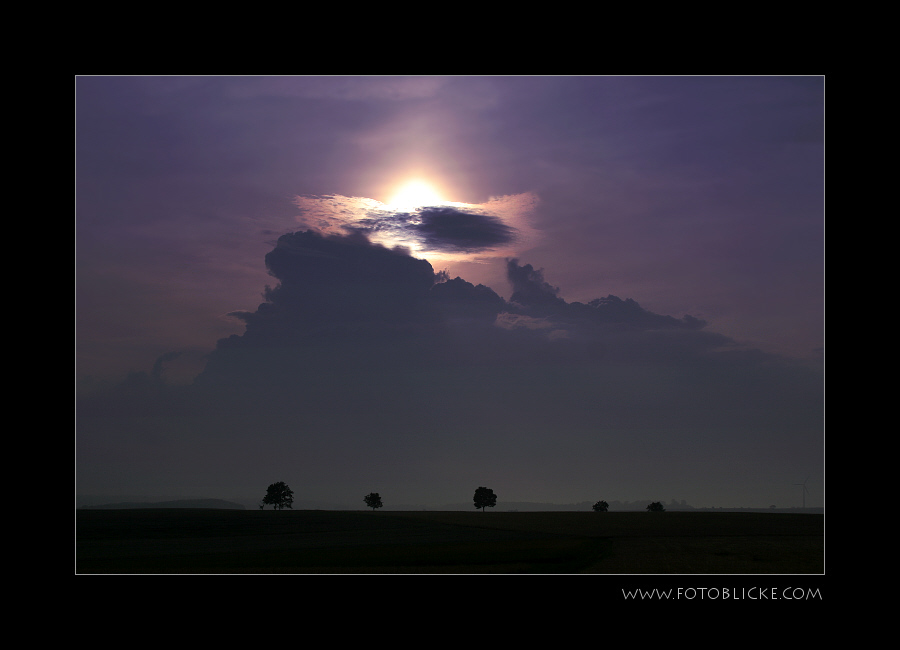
(504, 506)
(179, 503)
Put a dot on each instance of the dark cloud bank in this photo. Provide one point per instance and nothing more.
(364, 370)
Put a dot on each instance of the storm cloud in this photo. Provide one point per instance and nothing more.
(364, 367)
(347, 295)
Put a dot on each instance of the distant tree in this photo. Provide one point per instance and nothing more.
(373, 500)
(656, 506)
(485, 498)
(279, 496)
(601, 506)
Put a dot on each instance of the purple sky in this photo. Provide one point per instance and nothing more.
(694, 197)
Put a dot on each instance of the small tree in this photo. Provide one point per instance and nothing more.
(373, 500)
(656, 506)
(601, 506)
(485, 498)
(279, 496)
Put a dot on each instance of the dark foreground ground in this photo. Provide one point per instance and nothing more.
(209, 541)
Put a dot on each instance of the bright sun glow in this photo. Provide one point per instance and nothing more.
(415, 194)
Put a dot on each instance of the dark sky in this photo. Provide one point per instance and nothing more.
(614, 290)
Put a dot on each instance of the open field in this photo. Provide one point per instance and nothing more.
(210, 541)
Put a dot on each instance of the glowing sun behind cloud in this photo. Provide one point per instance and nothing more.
(415, 194)
(417, 217)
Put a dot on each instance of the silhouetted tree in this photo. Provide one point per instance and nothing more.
(279, 496)
(373, 500)
(485, 498)
(601, 506)
(656, 506)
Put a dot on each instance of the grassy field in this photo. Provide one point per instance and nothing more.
(209, 541)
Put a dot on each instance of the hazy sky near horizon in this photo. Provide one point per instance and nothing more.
(639, 311)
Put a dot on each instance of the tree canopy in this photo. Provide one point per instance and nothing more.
(656, 506)
(373, 500)
(601, 506)
(279, 496)
(485, 498)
